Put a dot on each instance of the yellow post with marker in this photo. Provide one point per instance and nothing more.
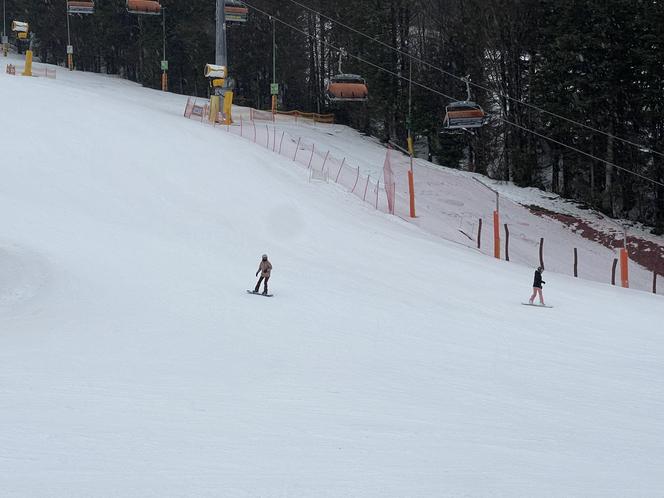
(27, 71)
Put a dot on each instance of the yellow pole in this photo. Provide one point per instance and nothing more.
(27, 71)
(214, 108)
(228, 107)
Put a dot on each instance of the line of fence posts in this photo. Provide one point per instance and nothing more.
(623, 258)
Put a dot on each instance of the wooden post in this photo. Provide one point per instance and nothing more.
(613, 271)
(496, 234)
(576, 262)
(411, 192)
(541, 252)
(479, 235)
(507, 243)
(366, 186)
(654, 282)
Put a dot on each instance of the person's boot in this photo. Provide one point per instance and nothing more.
(265, 292)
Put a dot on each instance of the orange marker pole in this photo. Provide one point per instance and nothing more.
(624, 271)
(411, 191)
(496, 234)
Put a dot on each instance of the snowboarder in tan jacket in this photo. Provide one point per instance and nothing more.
(264, 268)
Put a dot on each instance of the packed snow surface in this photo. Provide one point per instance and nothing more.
(389, 363)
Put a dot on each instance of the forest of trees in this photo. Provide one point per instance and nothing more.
(595, 62)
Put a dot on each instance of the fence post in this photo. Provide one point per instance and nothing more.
(507, 243)
(541, 252)
(281, 141)
(624, 271)
(325, 161)
(377, 190)
(297, 147)
(274, 138)
(357, 178)
(366, 186)
(336, 180)
(267, 136)
(411, 192)
(613, 271)
(576, 262)
(654, 282)
(496, 234)
(313, 147)
(479, 235)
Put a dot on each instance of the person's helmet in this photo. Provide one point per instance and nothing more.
(540, 269)
(264, 256)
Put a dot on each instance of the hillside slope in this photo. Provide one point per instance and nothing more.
(389, 363)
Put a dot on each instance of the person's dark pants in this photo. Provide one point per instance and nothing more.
(259, 284)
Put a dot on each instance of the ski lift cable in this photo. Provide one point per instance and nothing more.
(477, 85)
(438, 92)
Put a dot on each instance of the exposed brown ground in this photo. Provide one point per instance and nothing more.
(645, 252)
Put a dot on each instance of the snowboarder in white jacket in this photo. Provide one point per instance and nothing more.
(264, 268)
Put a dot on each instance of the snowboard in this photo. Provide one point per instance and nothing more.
(258, 293)
(537, 305)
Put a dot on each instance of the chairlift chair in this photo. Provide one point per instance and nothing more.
(235, 11)
(347, 87)
(80, 7)
(464, 114)
(144, 7)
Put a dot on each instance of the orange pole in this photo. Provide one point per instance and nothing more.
(624, 271)
(274, 104)
(70, 62)
(411, 191)
(164, 82)
(496, 235)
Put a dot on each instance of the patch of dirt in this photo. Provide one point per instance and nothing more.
(645, 252)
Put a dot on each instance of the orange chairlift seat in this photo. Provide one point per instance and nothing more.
(144, 7)
(464, 114)
(347, 87)
(235, 11)
(80, 7)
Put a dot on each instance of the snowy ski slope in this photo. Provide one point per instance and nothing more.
(389, 363)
